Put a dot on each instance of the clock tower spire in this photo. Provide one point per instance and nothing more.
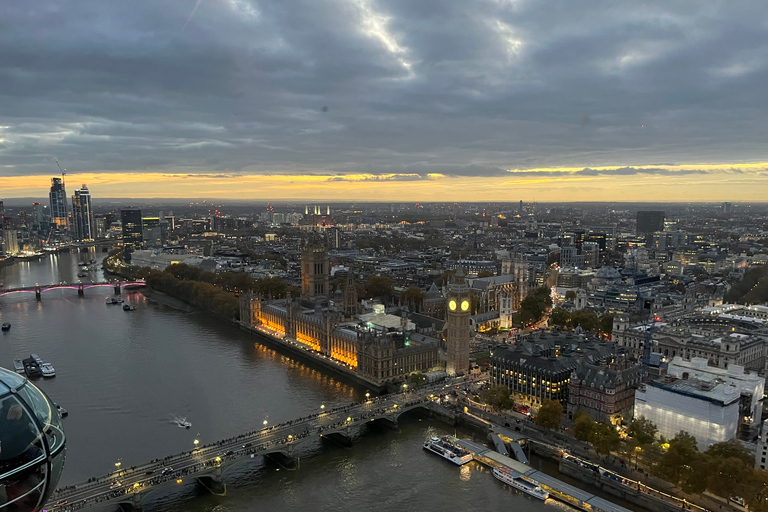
(457, 337)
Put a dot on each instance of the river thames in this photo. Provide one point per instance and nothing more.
(123, 375)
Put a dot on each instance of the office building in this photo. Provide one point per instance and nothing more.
(133, 235)
(82, 215)
(10, 242)
(568, 256)
(538, 367)
(155, 231)
(649, 221)
(707, 410)
(58, 201)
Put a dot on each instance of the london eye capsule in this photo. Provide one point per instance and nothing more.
(32, 445)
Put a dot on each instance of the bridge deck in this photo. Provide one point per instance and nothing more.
(213, 459)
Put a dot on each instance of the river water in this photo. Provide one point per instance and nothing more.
(124, 375)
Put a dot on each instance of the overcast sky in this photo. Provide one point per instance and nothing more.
(406, 99)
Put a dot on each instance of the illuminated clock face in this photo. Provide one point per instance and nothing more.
(464, 305)
(452, 305)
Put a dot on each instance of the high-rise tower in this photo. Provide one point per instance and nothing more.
(457, 314)
(133, 234)
(58, 199)
(82, 215)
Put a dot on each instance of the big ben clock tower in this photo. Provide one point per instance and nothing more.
(457, 338)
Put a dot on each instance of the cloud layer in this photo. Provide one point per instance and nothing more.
(382, 90)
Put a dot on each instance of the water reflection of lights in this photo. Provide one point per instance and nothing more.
(465, 473)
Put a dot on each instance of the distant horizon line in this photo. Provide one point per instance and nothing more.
(374, 201)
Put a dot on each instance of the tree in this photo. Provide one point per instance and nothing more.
(728, 449)
(755, 490)
(727, 477)
(606, 323)
(412, 295)
(570, 295)
(559, 317)
(498, 397)
(582, 425)
(604, 438)
(681, 452)
(586, 319)
(417, 379)
(550, 414)
(694, 476)
(379, 287)
(642, 430)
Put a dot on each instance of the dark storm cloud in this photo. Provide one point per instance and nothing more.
(379, 87)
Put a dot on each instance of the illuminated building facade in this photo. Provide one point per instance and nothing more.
(707, 410)
(379, 356)
(538, 367)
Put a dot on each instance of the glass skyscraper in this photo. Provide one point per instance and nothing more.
(133, 235)
(82, 215)
(58, 199)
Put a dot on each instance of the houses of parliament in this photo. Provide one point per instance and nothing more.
(381, 347)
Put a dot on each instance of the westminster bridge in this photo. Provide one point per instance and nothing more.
(207, 464)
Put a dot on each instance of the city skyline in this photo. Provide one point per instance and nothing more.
(381, 100)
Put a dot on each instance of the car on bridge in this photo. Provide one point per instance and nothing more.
(247, 445)
(230, 452)
(167, 470)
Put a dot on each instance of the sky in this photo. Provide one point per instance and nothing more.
(391, 100)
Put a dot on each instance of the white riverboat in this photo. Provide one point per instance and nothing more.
(517, 481)
(447, 448)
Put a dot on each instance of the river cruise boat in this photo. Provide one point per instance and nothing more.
(129, 307)
(47, 370)
(447, 448)
(18, 366)
(6, 326)
(516, 480)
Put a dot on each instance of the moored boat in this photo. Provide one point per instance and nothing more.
(447, 448)
(47, 370)
(31, 368)
(516, 480)
(6, 326)
(18, 366)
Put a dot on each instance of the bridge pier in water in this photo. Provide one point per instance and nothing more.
(133, 505)
(341, 437)
(80, 290)
(38, 293)
(284, 459)
(213, 483)
(117, 289)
